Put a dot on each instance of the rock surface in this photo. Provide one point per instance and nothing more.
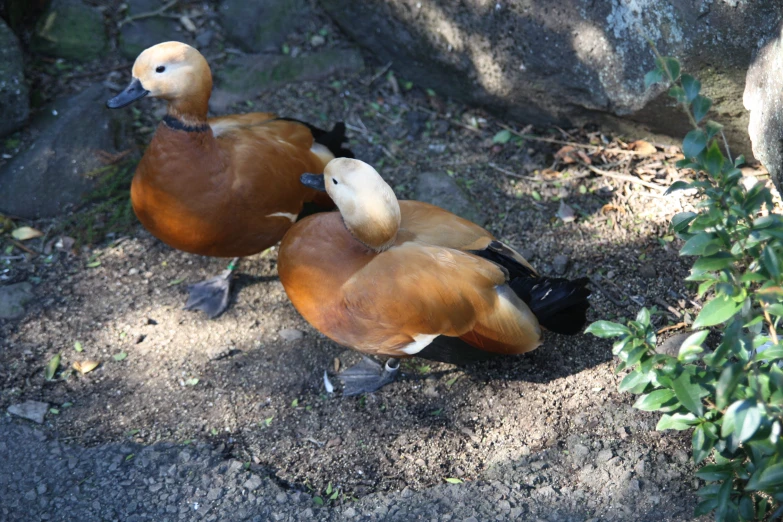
(14, 95)
(139, 34)
(71, 29)
(764, 99)
(30, 410)
(260, 26)
(13, 298)
(245, 76)
(52, 173)
(573, 61)
(440, 189)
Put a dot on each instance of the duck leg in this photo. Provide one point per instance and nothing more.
(211, 296)
(368, 376)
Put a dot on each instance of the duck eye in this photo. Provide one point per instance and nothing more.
(160, 69)
(334, 181)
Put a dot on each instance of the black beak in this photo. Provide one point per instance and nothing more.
(314, 181)
(132, 92)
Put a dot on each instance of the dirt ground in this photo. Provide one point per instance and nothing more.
(251, 381)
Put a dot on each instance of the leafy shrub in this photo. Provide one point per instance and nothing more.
(730, 396)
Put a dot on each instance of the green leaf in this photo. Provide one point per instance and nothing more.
(606, 329)
(743, 419)
(634, 379)
(717, 311)
(702, 445)
(652, 77)
(692, 344)
(691, 86)
(681, 221)
(701, 106)
(94, 264)
(713, 128)
(318, 501)
(452, 480)
(714, 472)
(643, 317)
(502, 137)
(771, 262)
(694, 143)
(676, 421)
(703, 243)
(51, 368)
(669, 65)
(766, 478)
(746, 510)
(120, 356)
(713, 160)
(727, 383)
(716, 261)
(688, 393)
(78, 346)
(655, 400)
(677, 93)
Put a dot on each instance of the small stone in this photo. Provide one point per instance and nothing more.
(440, 189)
(604, 455)
(333, 443)
(317, 40)
(647, 270)
(205, 38)
(41, 489)
(681, 456)
(528, 253)
(349, 513)
(214, 494)
(281, 498)
(291, 334)
(566, 213)
(560, 264)
(13, 298)
(253, 483)
(30, 410)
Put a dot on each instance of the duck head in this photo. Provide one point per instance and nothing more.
(366, 202)
(175, 72)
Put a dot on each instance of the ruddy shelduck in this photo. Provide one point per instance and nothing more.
(226, 186)
(405, 278)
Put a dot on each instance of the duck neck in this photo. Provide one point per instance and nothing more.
(375, 228)
(190, 111)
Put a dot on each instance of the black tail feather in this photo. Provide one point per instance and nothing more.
(332, 140)
(559, 304)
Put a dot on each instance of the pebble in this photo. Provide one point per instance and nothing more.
(647, 270)
(30, 410)
(317, 40)
(252, 483)
(560, 264)
(291, 334)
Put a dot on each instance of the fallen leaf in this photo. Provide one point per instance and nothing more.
(78, 347)
(187, 23)
(175, 282)
(94, 264)
(120, 356)
(609, 207)
(5, 223)
(566, 213)
(328, 384)
(25, 233)
(192, 381)
(584, 157)
(452, 480)
(643, 147)
(85, 366)
(51, 368)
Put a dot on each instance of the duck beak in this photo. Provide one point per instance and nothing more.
(314, 181)
(132, 92)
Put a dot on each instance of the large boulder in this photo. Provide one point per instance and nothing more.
(55, 171)
(568, 61)
(137, 35)
(764, 99)
(262, 25)
(14, 96)
(71, 29)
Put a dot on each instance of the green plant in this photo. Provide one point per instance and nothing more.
(730, 395)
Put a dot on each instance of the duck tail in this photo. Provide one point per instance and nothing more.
(332, 140)
(559, 304)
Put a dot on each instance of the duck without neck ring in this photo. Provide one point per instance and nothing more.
(226, 186)
(405, 278)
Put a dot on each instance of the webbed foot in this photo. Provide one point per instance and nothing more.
(368, 376)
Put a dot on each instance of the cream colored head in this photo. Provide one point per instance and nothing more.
(175, 72)
(367, 203)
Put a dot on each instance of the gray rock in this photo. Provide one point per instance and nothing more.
(245, 76)
(252, 483)
(568, 62)
(71, 29)
(260, 26)
(30, 410)
(14, 96)
(647, 270)
(440, 189)
(137, 35)
(763, 97)
(560, 264)
(53, 173)
(671, 346)
(291, 334)
(13, 298)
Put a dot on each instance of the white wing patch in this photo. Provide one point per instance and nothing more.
(286, 215)
(420, 342)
